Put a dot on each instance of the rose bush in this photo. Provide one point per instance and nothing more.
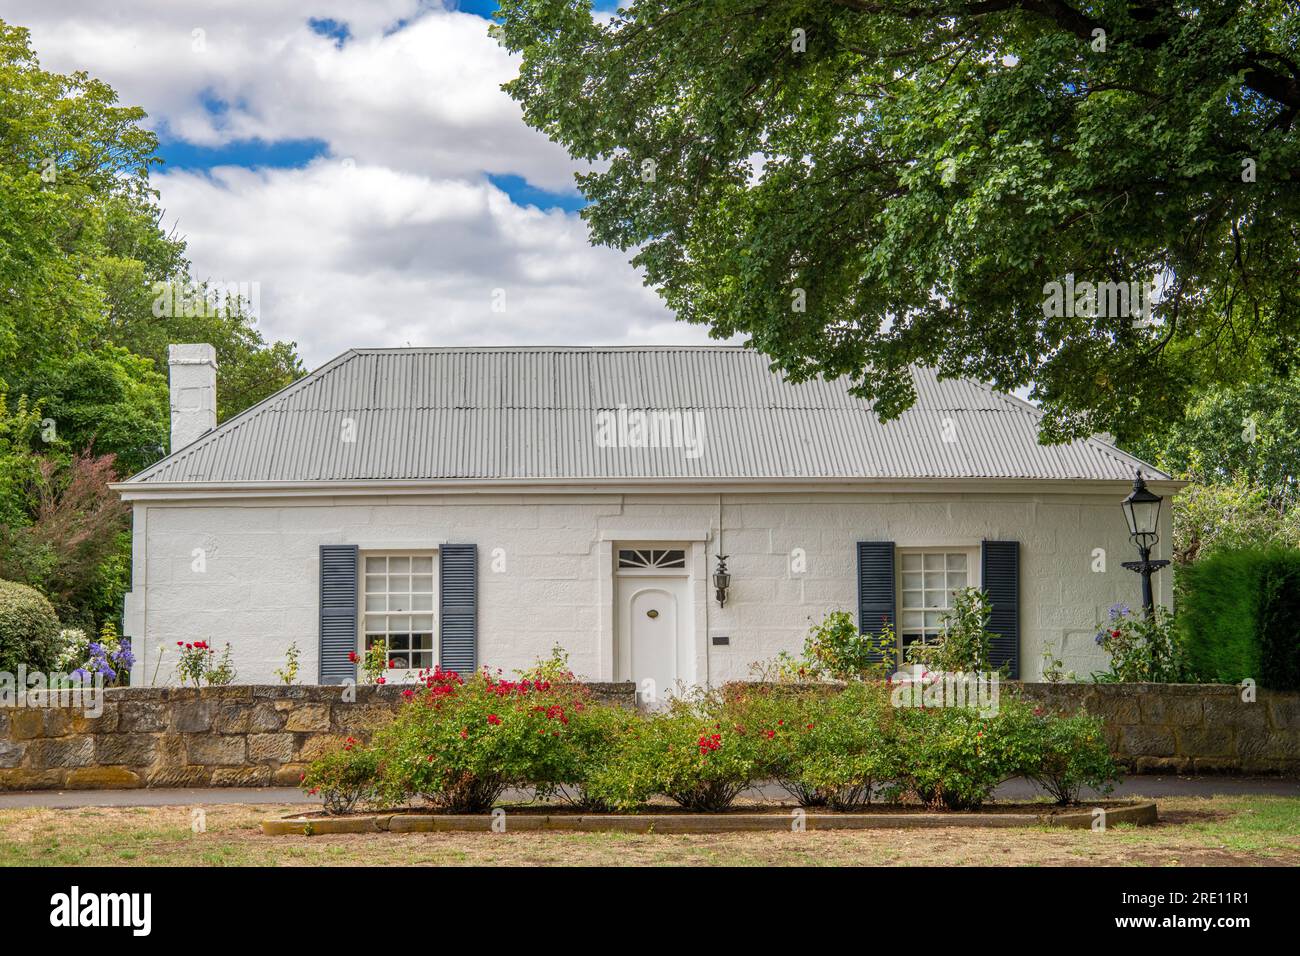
(460, 744)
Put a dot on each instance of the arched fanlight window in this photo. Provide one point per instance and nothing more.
(651, 558)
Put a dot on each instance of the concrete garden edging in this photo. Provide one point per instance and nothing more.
(1141, 813)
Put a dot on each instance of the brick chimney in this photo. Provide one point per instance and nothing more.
(193, 373)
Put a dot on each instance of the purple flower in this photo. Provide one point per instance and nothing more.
(1117, 611)
(80, 675)
(124, 657)
(1101, 636)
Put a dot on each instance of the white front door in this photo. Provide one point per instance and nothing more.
(653, 630)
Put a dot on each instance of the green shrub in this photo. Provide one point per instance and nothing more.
(459, 744)
(695, 752)
(1239, 617)
(29, 629)
(1064, 754)
(344, 778)
(827, 749)
(966, 642)
(954, 757)
(834, 650)
(1141, 648)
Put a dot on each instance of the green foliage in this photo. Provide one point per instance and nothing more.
(29, 629)
(834, 650)
(965, 644)
(82, 354)
(288, 674)
(554, 668)
(696, 751)
(954, 757)
(1143, 649)
(825, 748)
(458, 744)
(1239, 617)
(1227, 516)
(345, 778)
(949, 161)
(1065, 754)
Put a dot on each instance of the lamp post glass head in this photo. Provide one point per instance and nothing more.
(1142, 512)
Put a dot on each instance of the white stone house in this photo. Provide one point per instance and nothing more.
(477, 506)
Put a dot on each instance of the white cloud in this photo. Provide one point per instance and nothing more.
(409, 242)
(367, 256)
(424, 98)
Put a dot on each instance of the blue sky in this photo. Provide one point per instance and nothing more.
(360, 163)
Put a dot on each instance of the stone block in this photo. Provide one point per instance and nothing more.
(142, 716)
(265, 718)
(170, 776)
(1197, 742)
(138, 750)
(232, 717)
(101, 778)
(1140, 741)
(241, 777)
(26, 724)
(11, 752)
(308, 717)
(270, 747)
(193, 716)
(288, 775)
(21, 778)
(207, 749)
(1172, 710)
(311, 746)
(76, 751)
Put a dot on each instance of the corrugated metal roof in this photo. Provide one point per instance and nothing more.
(525, 413)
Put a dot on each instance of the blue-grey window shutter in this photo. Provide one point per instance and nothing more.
(876, 597)
(1000, 576)
(338, 612)
(458, 608)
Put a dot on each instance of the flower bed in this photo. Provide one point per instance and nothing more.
(770, 818)
(457, 745)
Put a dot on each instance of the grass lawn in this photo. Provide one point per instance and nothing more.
(1246, 831)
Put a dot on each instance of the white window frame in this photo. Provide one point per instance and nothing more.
(904, 609)
(411, 607)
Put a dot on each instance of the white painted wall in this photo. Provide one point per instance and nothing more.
(259, 586)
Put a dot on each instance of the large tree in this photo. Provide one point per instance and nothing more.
(863, 184)
(83, 386)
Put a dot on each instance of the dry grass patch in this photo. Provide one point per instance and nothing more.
(1245, 831)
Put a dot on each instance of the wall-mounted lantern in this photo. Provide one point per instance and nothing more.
(721, 580)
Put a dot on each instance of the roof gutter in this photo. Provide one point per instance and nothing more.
(189, 490)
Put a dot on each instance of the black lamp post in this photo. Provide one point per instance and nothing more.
(1142, 512)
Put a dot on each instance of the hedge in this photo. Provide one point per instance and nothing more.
(29, 629)
(1239, 614)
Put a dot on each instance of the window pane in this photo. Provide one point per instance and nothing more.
(936, 598)
(422, 582)
(399, 662)
(911, 599)
(934, 562)
(398, 624)
(376, 584)
(376, 602)
(375, 624)
(399, 602)
(421, 602)
(932, 618)
(913, 618)
(957, 562)
(934, 579)
(376, 565)
(422, 565)
(399, 583)
(398, 642)
(422, 622)
(956, 579)
(912, 579)
(911, 562)
(399, 565)
(422, 641)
